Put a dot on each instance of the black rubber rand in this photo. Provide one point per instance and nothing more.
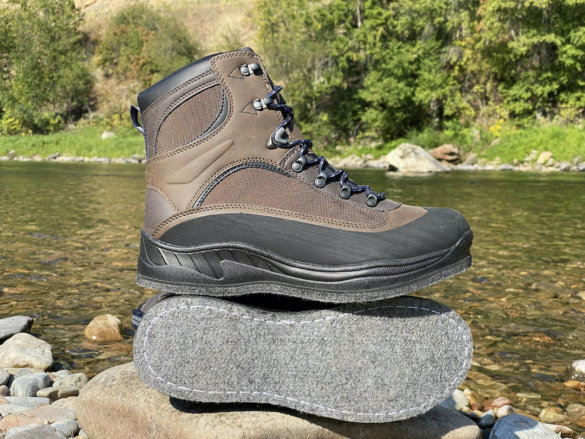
(224, 269)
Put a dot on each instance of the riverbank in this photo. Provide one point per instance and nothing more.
(545, 147)
(40, 398)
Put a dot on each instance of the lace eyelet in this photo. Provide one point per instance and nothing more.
(345, 192)
(372, 200)
(248, 69)
(299, 163)
(257, 104)
(321, 179)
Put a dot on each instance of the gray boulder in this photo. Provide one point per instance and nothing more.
(410, 158)
(13, 325)
(29, 385)
(24, 350)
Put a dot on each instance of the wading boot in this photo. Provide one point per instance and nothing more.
(237, 203)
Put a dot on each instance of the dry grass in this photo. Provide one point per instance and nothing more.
(216, 25)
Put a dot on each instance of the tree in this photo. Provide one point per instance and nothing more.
(45, 81)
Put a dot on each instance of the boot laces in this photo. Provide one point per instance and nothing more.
(279, 139)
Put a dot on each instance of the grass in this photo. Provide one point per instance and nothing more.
(505, 143)
(501, 143)
(83, 141)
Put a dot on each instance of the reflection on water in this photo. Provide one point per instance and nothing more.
(69, 235)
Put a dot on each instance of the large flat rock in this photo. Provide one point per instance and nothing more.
(117, 404)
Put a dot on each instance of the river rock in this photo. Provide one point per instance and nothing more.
(505, 410)
(552, 415)
(13, 325)
(496, 403)
(471, 160)
(117, 404)
(575, 411)
(488, 419)
(24, 350)
(520, 427)
(67, 403)
(76, 380)
(544, 157)
(457, 401)
(578, 370)
(55, 393)
(40, 415)
(105, 327)
(69, 427)
(32, 402)
(410, 158)
(35, 432)
(447, 153)
(7, 409)
(4, 377)
(4, 390)
(29, 385)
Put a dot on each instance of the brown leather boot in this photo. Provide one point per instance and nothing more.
(236, 202)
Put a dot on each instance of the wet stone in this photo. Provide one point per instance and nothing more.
(102, 328)
(552, 415)
(578, 370)
(575, 411)
(496, 403)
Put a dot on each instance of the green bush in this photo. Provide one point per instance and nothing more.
(45, 81)
(141, 44)
(373, 71)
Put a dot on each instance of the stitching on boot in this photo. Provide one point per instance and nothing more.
(426, 404)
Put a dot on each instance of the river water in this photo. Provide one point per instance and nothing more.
(69, 237)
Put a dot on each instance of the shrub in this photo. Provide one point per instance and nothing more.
(141, 44)
(45, 81)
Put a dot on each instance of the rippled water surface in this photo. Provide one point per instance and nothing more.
(69, 238)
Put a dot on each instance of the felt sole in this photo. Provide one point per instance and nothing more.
(375, 362)
(231, 272)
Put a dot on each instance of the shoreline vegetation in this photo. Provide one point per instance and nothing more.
(544, 148)
(502, 83)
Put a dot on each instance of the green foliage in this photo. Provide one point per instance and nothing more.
(44, 80)
(372, 71)
(142, 44)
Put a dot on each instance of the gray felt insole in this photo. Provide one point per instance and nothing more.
(374, 362)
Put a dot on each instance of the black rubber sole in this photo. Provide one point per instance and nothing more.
(375, 362)
(230, 270)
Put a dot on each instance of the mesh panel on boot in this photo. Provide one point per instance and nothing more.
(189, 120)
(263, 188)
